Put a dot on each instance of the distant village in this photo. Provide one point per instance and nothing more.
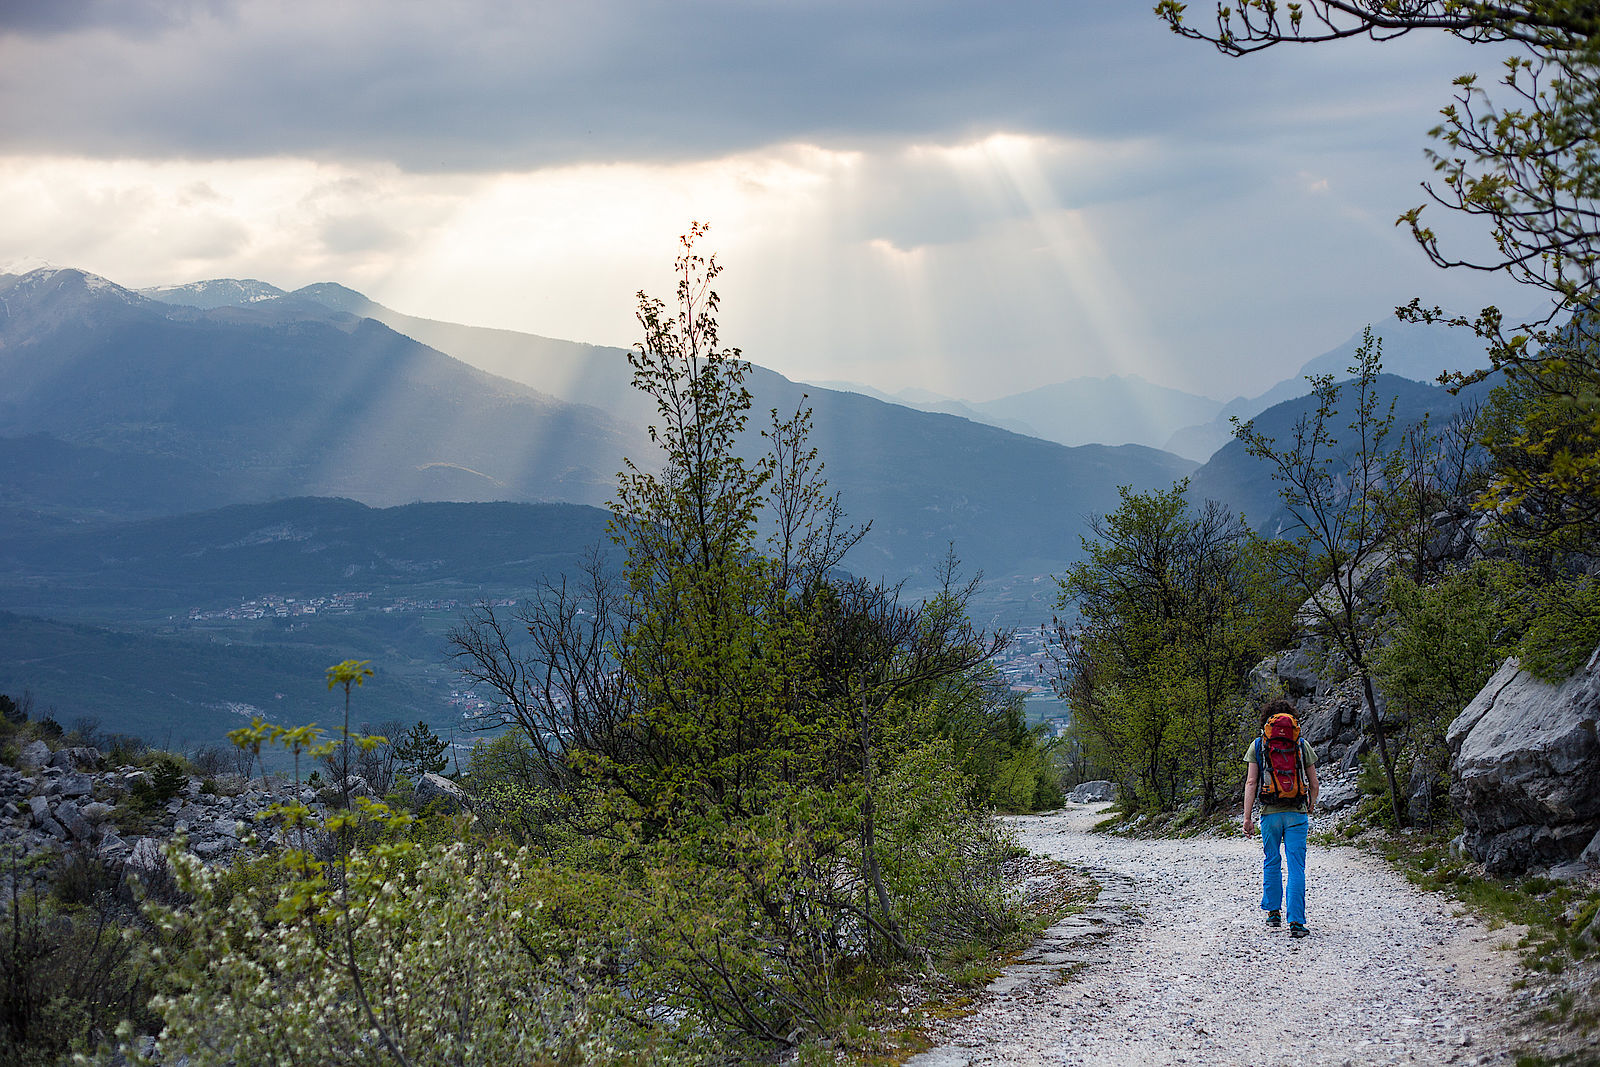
(1024, 665)
(275, 606)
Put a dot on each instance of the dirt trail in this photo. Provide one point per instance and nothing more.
(1175, 966)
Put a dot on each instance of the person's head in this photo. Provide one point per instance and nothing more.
(1279, 706)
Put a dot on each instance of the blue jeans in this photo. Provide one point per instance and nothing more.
(1284, 832)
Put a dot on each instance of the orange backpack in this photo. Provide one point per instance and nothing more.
(1283, 779)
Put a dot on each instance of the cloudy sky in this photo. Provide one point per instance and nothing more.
(970, 198)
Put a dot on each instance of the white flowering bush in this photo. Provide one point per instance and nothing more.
(391, 952)
(423, 956)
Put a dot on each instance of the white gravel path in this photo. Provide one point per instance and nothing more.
(1190, 974)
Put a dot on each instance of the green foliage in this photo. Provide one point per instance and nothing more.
(1553, 620)
(409, 956)
(164, 779)
(742, 791)
(943, 854)
(509, 796)
(1008, 765)
(12, 712)
(1441, 651)
(420, 752)
(1174, 607)
(406, 952)
(1542, 427)
(736, 739)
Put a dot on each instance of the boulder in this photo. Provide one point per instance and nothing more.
(1337, 793)
(435, 788)
(70, 817)
(35, 754)
(97, 812)
(1097, 792)
(146, 856)
(209, 848)
(1525, 769)
(1591, 852)
(81, 758)
(356, 784)
(1300, 671)
(76, 785)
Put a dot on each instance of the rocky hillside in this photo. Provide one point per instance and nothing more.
(74, 800)
(1524, 770)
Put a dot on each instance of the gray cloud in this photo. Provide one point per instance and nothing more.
(134, 17)
(507, 84)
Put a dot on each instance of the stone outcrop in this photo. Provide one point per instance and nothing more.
(436, 789)
(1097, 792)
(1525, 769)
(1327, 700)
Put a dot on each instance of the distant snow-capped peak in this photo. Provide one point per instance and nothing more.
(215, 293)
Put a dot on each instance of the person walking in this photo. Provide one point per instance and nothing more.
(1282, 775)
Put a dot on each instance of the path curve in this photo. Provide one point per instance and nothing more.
(1189, 974)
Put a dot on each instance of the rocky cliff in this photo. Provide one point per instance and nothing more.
(1525, 770)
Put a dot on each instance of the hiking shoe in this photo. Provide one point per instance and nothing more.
(1298, 930)
(1274, 918)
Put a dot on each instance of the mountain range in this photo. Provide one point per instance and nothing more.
(1008, 502)
(157, 456)
(1126, 409)
(228, 475)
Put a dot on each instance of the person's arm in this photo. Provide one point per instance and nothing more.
(1311, 787)
(1252, 778)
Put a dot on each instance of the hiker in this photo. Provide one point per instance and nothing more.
(1283, 774)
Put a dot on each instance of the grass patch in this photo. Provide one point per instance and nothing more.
(1562, 937)
(891, 1022)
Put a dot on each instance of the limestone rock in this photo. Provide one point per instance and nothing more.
(1093, 793)
(1525, 772)
(146, 856)
(1591, 853)
(209, 848)
(1337, 793)
(1301, 671)
(70, 817)
(435, 788)
(76, 785)
(81, 758)
(35, 754)
(356, 784)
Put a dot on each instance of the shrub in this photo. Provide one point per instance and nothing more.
(67, 975)
(165, 780)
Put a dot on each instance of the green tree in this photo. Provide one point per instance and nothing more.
(1173, 607)
(735, 721)
(420, 752)
(1542, 430)
(1440, 652)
